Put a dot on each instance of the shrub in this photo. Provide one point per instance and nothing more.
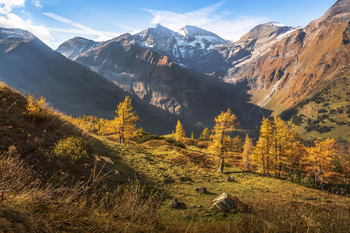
(322, 110)
(315, 125)
(297, 120)
(145, 138)
(189, 141)
(72, 148)
(202, 144)
(173, 142)
(37, 107)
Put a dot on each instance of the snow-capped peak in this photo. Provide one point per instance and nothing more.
(276, 24)
(16, 34)
(183, 47)
(192, 32)
(159, 26)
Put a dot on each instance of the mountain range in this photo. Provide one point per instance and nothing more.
(191, 75)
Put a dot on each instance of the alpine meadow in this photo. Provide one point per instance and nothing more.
(181, 116)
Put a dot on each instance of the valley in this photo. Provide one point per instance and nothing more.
(164, 130)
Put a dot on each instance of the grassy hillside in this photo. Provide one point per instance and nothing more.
(132, 185)
(325, 114)
(277, 205)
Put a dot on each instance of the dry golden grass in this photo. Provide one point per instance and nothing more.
(125, 202)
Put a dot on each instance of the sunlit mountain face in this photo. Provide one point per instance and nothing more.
(141, 116)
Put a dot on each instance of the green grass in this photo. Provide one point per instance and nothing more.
(334, 99)
(278, 205)
(153, 170)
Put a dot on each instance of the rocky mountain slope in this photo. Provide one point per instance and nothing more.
(76, 46)
(300, 63)
(191, 46)
(29, 65)
(277, 65)
(156, 79)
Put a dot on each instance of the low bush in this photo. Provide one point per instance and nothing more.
(146, 137)
(175, 143)
(37, 108)
(71, 148)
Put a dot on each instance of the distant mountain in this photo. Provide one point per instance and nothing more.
(188, 47)
(199, 35)
(76, 46)
(195, 48)
(159, 81)
(254, 43)
(300, 63)
(191, 47)
(29, 65)
(272, 66)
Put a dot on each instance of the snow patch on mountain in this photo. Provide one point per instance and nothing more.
(183, 47)
(16, 34)
(269, 95)
(288, 32)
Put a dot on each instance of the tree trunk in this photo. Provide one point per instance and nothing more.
(221, 166)
(276, 165)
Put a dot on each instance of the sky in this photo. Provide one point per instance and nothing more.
(55, 21)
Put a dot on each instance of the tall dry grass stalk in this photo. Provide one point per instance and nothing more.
(87, 207)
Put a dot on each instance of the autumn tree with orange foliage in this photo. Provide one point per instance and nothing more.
(262, 153)
(180, 133)
(225, 123)
(296, 151)
(124, 124)
(247, 151)
(320, 162)
(280, 144)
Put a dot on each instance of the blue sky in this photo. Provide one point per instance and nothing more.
(55, 21)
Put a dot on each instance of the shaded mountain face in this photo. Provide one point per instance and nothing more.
(277, 65)
(29, 65)
(159, 81)
(300, 63)
(76, 46)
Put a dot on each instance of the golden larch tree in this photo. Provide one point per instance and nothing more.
(180, 133)
(247, 151)
(124, 124)
(261, 156)
(280, 145)
(237, 144)
(225, 123)
(320, 161)
(205, 134)
(296, 151)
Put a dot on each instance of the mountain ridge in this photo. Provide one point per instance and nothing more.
(280, 65)
(156, 79)
(68, 86)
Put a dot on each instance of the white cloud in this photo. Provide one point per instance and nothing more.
(79, 28)
(36, 3)
(210, 18)
(6, 6)
(11, 20)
